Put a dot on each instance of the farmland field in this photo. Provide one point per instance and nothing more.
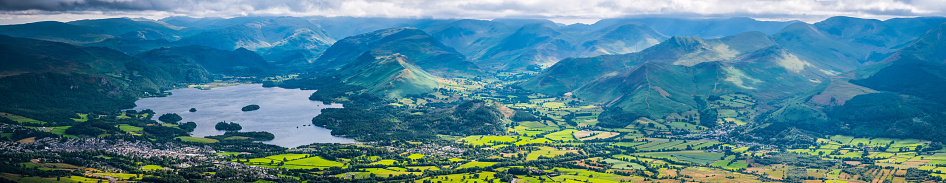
(197, 139)
(546, 152)
(477, 164)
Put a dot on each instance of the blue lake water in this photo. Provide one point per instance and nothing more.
(287, 113)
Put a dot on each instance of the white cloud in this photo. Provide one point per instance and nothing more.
(19, 11)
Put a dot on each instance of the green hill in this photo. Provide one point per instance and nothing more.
(844, 44)
(55, 31)
(899, 98)
(205, 60)
(53, 81)
(664, 79)
(569, 74)
(918, 70)
(391, 76)
(133, 28)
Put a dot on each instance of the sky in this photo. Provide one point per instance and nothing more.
(561, 11)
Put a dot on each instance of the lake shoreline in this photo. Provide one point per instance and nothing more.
(286, 113)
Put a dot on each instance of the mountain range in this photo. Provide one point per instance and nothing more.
(809, 78)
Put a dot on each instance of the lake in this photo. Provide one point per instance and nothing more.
(287, 113)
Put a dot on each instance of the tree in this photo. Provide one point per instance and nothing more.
(189, 126)
(616, 118)
(228, 126)
(170, 118)
(193, 110)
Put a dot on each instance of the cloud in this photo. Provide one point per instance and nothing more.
(481, 9)
(73, 5)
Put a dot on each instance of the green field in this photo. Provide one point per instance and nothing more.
(385, 162)
(416, 156)
(545, 152)
(479, 140)
(729, 164)
(277, 158)
(197, 139)
(378, 172)
(129, 128)
(698, 157)
(570, 175)
(618, 164)
(534, 141)
(553, 105)
(627, 144)
(462, 178)
(311, 162)
(293, 161)
(58, 130)
(83, 118)
(152, 167)
(564, 135)
(842, 139)
(477, 164)
(22, 120)
(228, 153)
(119, 175)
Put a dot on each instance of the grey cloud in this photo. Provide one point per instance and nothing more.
(83, 5)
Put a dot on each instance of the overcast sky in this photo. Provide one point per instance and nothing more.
(562, 11)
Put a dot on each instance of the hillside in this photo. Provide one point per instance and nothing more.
(620, 39)
(531, 47)
(570, 74)
(205, 60)
(470, 37)
(658, 90)
(705, 28)
(900, 97)
(842, 44)
(392, 76)
(53, 81)
(133, 29)
(55, 31)
(664, 79)
(918, 70)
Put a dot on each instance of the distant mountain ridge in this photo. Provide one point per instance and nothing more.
(901, 97)
(413, 43)
(240, 62)
(287, 40)
(662, 80)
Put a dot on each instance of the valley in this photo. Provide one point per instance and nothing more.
(319, 99)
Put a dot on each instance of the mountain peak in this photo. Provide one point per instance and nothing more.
(928, 48)
(390, 31)
(688, 42)
(414, 43)
(393, 75)
(837, 19)
(538, 29)
(241, 49)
